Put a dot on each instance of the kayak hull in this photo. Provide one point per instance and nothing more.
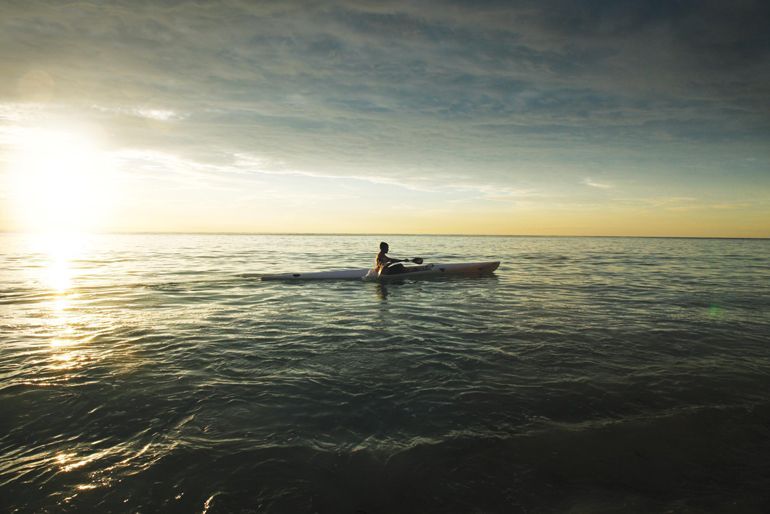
(342, 274)
(438, 270)
(411, 272)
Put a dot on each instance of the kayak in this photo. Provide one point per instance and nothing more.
(424, 271)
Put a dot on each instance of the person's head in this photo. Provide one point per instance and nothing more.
(384, 247)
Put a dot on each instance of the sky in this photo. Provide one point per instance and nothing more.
(548, 117)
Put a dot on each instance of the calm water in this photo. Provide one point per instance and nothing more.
(158, 373)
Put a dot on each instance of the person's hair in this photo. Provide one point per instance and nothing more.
(383, 245)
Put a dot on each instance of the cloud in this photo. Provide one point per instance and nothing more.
(149, 113)
(487, 100)
(671, 203)
(599, 185)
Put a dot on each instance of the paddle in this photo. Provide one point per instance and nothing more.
(416, 260)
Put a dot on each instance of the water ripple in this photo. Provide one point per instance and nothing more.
(586, 375)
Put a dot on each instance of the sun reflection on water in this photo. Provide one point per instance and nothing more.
(68, 461)
(59, 250)
(58, 274)
(64, 354)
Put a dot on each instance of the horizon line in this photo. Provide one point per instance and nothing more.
(389, 234)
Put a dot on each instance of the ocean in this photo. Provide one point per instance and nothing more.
(157, 373)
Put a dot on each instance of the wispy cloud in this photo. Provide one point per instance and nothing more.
(669, 203)
(593, 183)
(156, 114)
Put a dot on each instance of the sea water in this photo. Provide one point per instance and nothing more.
(149, 373)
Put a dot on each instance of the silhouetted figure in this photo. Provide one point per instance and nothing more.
(385, 265)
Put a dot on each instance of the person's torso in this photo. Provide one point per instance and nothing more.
(381, 261)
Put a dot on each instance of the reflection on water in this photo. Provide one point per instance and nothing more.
(64, 338)
(65, 354)
(58, 273)
(157, 373)
(58, 250)
(382, 291)
(70, 461)
(50, 266)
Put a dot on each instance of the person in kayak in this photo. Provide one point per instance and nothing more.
(386, 265)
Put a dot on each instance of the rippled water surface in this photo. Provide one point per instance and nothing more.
(146, 373)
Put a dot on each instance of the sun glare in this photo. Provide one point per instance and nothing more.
(59, 183)
(59, 250)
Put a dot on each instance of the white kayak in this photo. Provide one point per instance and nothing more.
(424, 271)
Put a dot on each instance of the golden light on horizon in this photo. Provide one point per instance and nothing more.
(59, 182)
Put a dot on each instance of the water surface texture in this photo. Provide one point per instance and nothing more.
(146, 373)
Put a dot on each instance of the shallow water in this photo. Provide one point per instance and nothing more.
(158, 373)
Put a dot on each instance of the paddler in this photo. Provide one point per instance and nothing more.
(386, 265)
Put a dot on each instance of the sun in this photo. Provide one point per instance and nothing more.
(60, 182)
